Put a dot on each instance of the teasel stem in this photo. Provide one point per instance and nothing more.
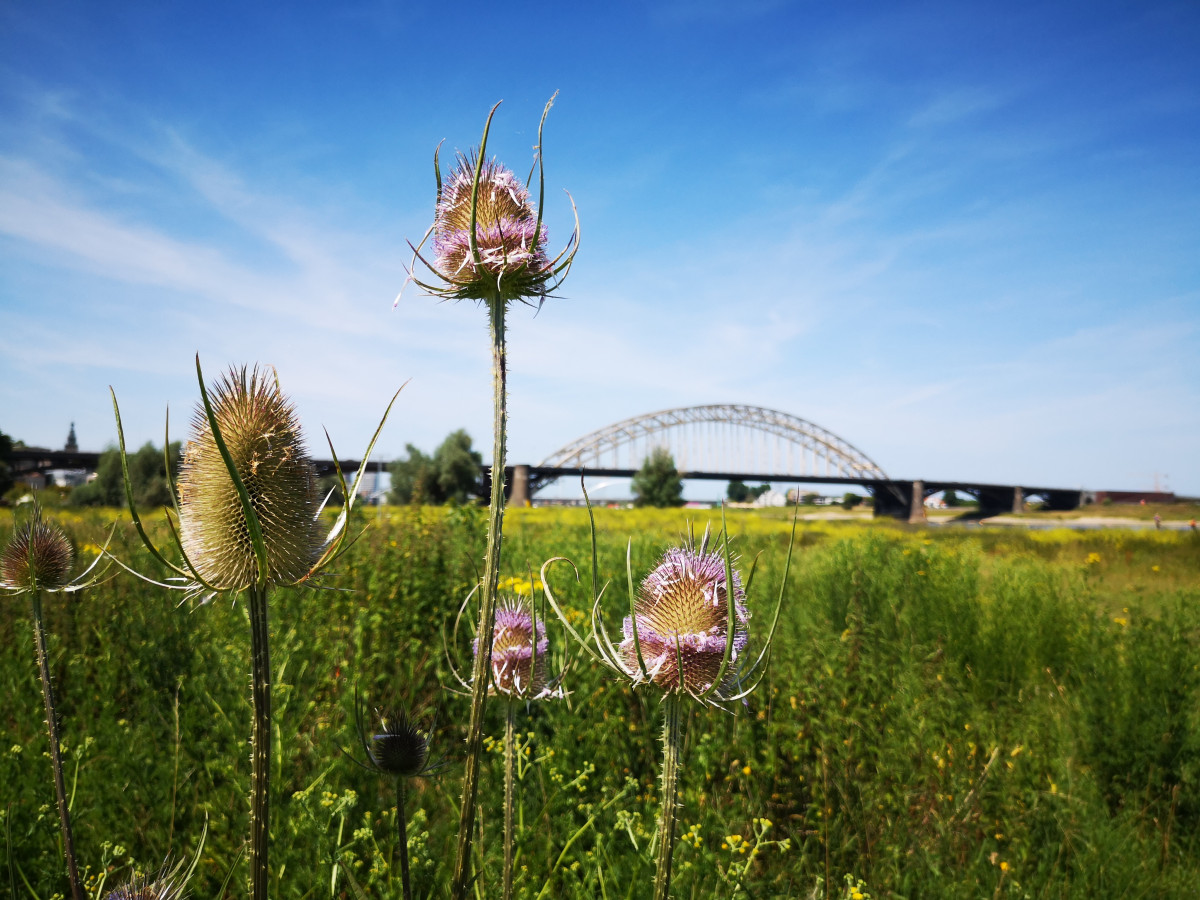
(509, 766)
(672, 745)
(64, 812)
(260, 741)
(402, 828)
(481, 671)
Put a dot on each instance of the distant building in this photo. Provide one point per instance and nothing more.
(67, 477)
(771, 498)
(72, 444)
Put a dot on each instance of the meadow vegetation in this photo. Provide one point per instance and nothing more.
(948, 713)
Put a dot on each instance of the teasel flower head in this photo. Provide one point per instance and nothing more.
(682, 616)
(261, 434)
(489, 238)
(394, 742)
(39, 557)
(520, 664)
(687, 631)
(248, 508)
(169, 883)
(518, 660)
(144, 887)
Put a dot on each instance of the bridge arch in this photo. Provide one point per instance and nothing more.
(721, 437)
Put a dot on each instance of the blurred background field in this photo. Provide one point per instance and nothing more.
(949, 712)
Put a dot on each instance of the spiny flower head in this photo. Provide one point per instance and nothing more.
(682, 618)
(262, 433)
(162, 887)
(514, 672)
(38, 555)
(510, 243)
(400, 747)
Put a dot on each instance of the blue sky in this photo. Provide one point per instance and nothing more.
(962, 236)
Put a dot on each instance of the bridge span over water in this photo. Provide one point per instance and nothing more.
(714, 442)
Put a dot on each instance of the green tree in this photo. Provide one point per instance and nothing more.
(810, 499)
(951, 499)
(657, 482)
(737, 492)
(851, 500)
(146, 473)
(413, 479)
(6, 472)
(451, 475)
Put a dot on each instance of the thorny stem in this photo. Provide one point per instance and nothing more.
(672, 744)
(260, 742)
(64, 812)
(509, 762)
(487, 607)
(402, 828)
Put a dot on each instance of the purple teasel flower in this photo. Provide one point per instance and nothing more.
(683, 622)
(682, 617)
(507, 259)
(509, 239)
(515, 671)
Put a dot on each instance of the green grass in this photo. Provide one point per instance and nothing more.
(949, 713)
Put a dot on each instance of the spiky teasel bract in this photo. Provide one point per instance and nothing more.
(489, 240)
(261, 433)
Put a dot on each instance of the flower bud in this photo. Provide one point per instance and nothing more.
(400, 748)
(38, 555)
(262, 433)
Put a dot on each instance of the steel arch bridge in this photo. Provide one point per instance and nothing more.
(721, 438)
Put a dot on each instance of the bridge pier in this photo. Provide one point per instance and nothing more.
(916, 506)
(899, 500)
(519, 490)
(1018, 500)
(995, 501)
(1064, 500)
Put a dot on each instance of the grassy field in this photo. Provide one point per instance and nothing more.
(949, 713)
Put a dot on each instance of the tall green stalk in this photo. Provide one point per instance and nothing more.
(402, 828)
(481, 671)
(509, 766)
(260, 742)
(672, 746)
(64, 812)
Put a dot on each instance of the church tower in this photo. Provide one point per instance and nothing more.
(72, 444)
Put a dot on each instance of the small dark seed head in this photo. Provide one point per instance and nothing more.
(400, 748)
(37, 555)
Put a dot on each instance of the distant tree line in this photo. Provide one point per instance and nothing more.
(6, 470)
(737, 492)
(453, 474)
(147, 476)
